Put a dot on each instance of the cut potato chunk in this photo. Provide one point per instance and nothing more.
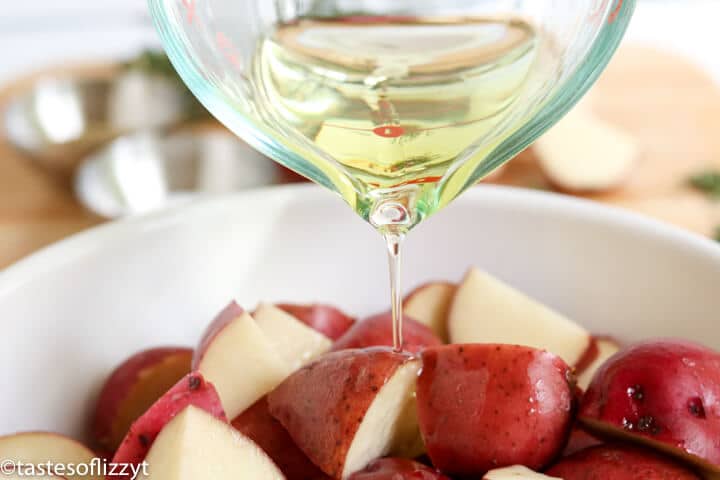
(196, 445)
(486, 310)
(517, 472)
(294, 341)
(585, 154)
(239, 360)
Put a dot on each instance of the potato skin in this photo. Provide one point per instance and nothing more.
(580, 440)
(664, 391)
(322, 405)
(193, 390)
(258, 425)
(487, 406)
(618, 462)
(377, 331)
(397, 469)
(328, 320)
(132, 387)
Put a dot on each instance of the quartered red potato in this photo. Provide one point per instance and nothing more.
(491, 384)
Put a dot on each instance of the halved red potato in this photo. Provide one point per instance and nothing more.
(132, 388)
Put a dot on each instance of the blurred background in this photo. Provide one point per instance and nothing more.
(87, 101)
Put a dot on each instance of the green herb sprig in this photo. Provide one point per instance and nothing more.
(707, 182)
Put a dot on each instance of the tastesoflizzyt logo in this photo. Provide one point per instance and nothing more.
(96, 468)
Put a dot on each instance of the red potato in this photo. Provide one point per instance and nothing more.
(239, 359)
(376, 331)
(132, 388)
(327, 320)
(485, 406)
(349, 408)
(258, 425)
(397, 469)
(580, 440)
(660, 393)
(191, 390)
(619, 462)
(196, 445)
(35, 448)
(429, 304)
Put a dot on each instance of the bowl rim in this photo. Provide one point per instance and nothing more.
(107, 236)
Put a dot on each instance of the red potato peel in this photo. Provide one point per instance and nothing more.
(377, 331)
(329, 321)
(258, 425)
(580, 440)
(132, 388)
(191, 390)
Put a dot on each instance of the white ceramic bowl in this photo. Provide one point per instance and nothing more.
(72, 311)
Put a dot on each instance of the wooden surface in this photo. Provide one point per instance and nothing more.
(672, 108)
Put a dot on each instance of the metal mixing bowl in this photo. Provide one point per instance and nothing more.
(149, 170)
(57, 121)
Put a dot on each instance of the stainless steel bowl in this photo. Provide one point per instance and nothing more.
(58, 121)
(148, 170)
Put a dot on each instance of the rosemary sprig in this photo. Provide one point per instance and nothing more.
(707, 182)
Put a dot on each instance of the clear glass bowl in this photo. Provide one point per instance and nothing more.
(213, 44)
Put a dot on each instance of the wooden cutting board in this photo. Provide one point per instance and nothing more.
(673, 109)
(671, 106)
